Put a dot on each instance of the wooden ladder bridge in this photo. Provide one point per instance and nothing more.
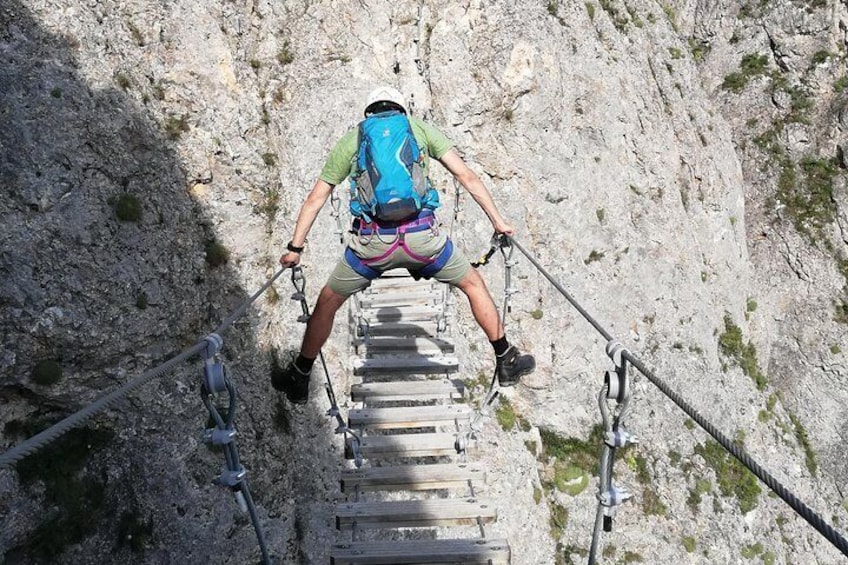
(418, 485)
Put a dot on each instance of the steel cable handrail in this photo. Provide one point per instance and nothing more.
(800, 507)
(76, 419)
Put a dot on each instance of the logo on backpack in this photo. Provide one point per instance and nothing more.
(388, 182)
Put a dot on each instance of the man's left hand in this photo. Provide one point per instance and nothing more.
(290, 259)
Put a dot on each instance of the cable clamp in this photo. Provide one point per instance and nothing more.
(231, 478)
(216, 436)
(303, 318)
(615, 496)
(214, 342)
(620, 438)
(298, 296)
(615, 351)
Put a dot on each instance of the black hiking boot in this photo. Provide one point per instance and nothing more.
(513, 365)
(294, 383)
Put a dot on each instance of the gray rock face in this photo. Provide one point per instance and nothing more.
(679, 169)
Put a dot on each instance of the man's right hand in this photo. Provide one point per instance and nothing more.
(290, 259)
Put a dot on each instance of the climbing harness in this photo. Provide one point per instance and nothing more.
(432, 265)
(223, 434)
(299, 282)
(616, 388)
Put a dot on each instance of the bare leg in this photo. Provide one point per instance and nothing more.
(482, 305)
(321, 322)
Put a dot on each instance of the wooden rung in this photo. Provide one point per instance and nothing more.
(405, 283)
(414, 513)
(389, 299)
(407, 445)
(408, 416)
(412, 390)
(420, 345)
(413, 477)
(409, 365)
(416, 552)
(424, 328)
(416, 313)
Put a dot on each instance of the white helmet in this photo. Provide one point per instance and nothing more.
(386, 94)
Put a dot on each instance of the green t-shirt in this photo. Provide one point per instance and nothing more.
(431, 143)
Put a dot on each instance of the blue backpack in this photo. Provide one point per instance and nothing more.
(388, 181)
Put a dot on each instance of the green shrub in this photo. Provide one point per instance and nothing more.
(820, 57)
(734, 479)
(47, 373)
(559, 519)
(702, 487)
(804, 442)
(689, 544)
(699, 49)
(123, 81)
(216, 254)
(570, 479)
(285, 55)
(732, 345)
(751, 551)
(754, 64)
(175, 127)
(269, 159)
(536, 314)
(841, 84)
(590, 9)
(593, 256)
(734, 82)
(255, 64)
(505, 414)
(128, 208)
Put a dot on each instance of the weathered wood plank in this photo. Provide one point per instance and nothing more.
(414, 513)
(389, 299)
(412, 313)
(413, 477)
(420, 345)
(422, 328)
(412, 390)
(422, 552)
(408, 416)
(407, 445)
(408, 365)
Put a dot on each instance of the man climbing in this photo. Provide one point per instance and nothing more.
(394, 226)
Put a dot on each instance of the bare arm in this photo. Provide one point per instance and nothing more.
(308, 212)
(478, 191)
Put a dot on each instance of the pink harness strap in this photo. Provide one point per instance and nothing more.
(400, 241)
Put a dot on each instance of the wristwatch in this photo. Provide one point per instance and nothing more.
(294, 249)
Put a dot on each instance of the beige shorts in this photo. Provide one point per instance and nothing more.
(345, 281)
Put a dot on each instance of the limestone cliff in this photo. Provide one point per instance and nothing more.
(679, 166)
